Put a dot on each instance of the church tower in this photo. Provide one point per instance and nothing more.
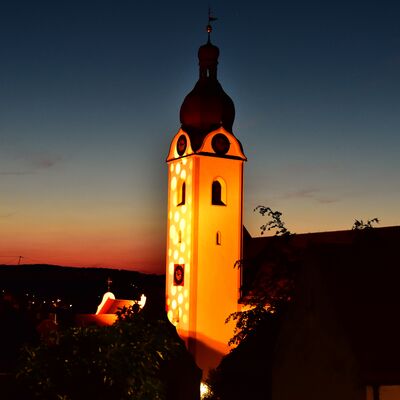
(205, 207)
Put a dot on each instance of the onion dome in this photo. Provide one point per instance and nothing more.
(207, 107)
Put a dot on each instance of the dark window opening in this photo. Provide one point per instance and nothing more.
(218, 238)
(216, 194)
(182, 195)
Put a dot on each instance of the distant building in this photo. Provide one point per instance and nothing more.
(106, 313)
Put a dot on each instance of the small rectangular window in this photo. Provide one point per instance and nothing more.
(182, 194)
(218, 238)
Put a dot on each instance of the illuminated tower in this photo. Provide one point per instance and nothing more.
(205, 201)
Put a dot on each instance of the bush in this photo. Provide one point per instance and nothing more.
(122, 361)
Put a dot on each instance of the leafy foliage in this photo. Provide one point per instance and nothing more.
(274, 221)
(272, 283)
(247, 321)
(360, 224)
(122, 361)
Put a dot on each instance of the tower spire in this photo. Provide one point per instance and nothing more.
(209, 27)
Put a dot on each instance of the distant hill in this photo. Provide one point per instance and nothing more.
(81, 287)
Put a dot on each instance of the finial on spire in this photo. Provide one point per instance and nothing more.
(210, 19)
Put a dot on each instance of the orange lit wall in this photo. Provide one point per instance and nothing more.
(179, 242)
(210, 291)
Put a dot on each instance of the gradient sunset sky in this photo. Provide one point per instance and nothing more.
(90, 93)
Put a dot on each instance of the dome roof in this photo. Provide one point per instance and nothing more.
(207, 107)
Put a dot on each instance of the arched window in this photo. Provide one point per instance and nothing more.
(218, 238)
(182, 194)
(218, 193)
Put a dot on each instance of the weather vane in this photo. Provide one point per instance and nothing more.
(210, 19)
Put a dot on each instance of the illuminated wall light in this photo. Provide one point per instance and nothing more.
(172, 235)
(171, 168)
(179, 242)
(171, 268)
(204, 390)
(187, 267)
(173, 183)
(168, 301)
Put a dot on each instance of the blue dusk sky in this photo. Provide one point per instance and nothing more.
(90, 93)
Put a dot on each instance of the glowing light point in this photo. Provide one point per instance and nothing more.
(204, 390)
(171, 268)
(173, 183)
(176, 216)
(178, 168)
(174, 304)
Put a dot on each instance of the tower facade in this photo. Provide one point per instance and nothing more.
(205, 207)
